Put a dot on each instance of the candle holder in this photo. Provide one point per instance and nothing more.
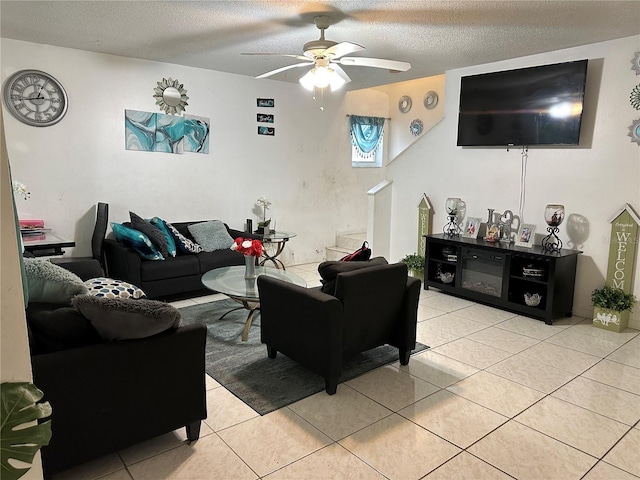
(553, 215)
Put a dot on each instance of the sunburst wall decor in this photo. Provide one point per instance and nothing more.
(634, 132)
(170, 96)
(634, 98)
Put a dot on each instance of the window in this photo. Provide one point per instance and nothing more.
(367, 139)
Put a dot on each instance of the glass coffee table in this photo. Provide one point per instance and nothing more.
(230, 281)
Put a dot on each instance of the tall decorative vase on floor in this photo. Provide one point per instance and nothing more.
(250, 267)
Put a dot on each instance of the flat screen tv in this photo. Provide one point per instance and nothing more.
(528, 106)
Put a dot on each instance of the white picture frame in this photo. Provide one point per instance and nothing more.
(526, 235)
(471, 227)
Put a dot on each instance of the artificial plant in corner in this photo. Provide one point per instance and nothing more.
(611, 308)
(415, 264)
(19, 407)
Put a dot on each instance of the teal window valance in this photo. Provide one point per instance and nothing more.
(366, 133)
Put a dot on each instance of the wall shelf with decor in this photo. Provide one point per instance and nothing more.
(527, 281)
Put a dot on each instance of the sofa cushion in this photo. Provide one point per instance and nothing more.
(329, 271)
(110, 288)
(183, 243)
(136, 240)
(180, 266)
(54, 328)
(219, 258)
(211, 235)
(162, 226)
(49, 283)
(122, 319)
(154, 233)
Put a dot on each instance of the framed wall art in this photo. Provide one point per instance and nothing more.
(471, 227)
(526, 235)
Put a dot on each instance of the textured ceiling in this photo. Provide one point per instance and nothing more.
(434, 36)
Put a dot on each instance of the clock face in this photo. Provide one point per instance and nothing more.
(35, 98)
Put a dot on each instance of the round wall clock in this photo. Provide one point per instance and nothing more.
(404, 105)
(35, 98)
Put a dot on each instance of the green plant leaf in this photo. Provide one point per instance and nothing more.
(19, 442)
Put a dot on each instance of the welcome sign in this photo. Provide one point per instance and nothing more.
(622, 249)
(424, 222)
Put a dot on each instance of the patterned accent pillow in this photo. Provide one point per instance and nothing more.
(136, 240)
(151, 231)
(110, 288)
(211, 235)
(49, 283)
(186, 245)
(162, 226)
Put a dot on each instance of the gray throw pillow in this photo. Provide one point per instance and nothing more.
(154, 233)
(211, 235)
(49, 283)
(123, 319)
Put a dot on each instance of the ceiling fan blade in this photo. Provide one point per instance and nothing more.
(338, 69)
(375, 62)
(282, 69)
(299, 57)
(342, 48)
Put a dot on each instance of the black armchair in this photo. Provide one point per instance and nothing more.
(371, 307)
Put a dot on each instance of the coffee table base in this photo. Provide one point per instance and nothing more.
(252, 311)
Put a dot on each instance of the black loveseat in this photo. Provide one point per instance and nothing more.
(173, 276)
(107, 396)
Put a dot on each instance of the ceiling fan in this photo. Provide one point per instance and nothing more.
(325, 58)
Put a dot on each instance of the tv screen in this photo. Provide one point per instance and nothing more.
(529, 106)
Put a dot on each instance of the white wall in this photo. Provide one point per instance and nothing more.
(71, 166)
(305, 170)
(594, 180)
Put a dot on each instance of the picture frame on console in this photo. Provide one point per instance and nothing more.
(471, 227)
(526, 235)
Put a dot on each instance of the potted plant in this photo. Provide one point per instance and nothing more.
(415, 265)
(611, 308)
(21, 439)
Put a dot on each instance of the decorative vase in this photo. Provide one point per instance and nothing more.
(250, 267)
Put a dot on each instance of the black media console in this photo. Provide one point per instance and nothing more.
(528, 281)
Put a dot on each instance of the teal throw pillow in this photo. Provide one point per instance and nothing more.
(162, 226)
(137, 240)
(183, 243)
(49, 283)
(152, 232)
(211, 235)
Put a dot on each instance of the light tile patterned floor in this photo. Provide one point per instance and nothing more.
(498, 396)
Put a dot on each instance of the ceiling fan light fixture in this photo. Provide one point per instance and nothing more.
(322, 77)
(307, 80)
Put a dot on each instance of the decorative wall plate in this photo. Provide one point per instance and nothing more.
(634, 98)
(404, 105)
(636, 63)
(416, 127)
(430, 99)
(634, 131)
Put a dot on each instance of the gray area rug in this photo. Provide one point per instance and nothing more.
(245, 370)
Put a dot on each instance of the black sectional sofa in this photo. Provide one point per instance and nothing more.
(174, 276)
(107, 396)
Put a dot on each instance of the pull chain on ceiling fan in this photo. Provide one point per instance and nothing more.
(326, 56)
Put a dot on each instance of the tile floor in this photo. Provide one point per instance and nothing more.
(497, 396)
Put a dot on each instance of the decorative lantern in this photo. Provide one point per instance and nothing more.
(456, 210)
(553, 215)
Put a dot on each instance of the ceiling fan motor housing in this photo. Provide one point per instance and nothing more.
(317, 47)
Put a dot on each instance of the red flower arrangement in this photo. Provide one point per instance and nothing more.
(247, 246)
